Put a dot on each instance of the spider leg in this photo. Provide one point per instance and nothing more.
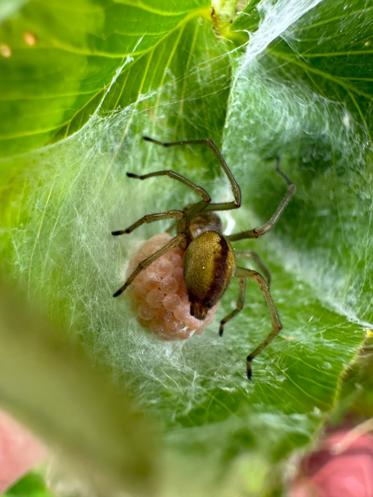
(178, 177)
(234, 204)
(239, 306)
(251, 254)
(146, 262)
(264, 228)
(150, 218)
(275, 318)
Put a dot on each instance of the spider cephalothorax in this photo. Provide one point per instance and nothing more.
(209, 259)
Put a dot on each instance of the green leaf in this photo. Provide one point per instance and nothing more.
(31, 485)
(64, 59)
(321, 54)
(220, 433)
(9, 7)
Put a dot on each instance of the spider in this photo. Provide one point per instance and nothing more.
(209, 258)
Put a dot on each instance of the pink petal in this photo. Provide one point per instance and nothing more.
(19, 451)
(325, 473)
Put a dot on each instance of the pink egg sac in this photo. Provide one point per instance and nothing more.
(158, 294)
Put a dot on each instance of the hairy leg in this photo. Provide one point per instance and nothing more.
(275, 318)
(251, 254)
(264, 228)
(212, 145)
(239, 306)
(150, 218)
(178, 177)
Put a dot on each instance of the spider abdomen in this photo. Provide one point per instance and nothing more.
(208, 267)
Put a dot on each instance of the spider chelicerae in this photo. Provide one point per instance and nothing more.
(209, 258)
